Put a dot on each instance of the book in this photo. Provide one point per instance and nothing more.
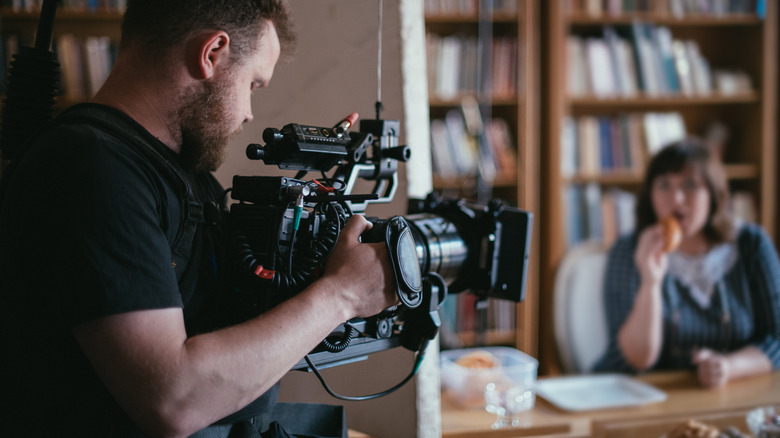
(569, 157)
(97, 53)
(462, 147)
(662, 129)
(606, 148)
(611, 41)
(589, 152)
(501, 141)
(743, 206)
(441, 156)
(626, 68)
(600, 68)
(447, 67)
(577, 71)
(69, 55)
(663, 43)
(700, 70)
(636, 144)
(475, 130)
(644, 59)
(683, 68)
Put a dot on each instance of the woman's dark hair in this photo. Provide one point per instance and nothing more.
(675, 158)
(161, 25)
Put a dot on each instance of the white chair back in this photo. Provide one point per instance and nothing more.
(579, 321)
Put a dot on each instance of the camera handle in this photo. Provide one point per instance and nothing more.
(420, 327)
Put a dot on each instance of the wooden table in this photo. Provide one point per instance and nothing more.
(722, 407)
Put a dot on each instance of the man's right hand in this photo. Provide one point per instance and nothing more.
(361, 272)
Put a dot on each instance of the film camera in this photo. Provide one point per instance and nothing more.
(282, 229)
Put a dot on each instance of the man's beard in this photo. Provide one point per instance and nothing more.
(204, 120)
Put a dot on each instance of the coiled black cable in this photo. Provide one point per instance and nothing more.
(304, 265)
(340, 345)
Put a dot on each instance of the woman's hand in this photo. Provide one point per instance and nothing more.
(650, 259)
(713, 369)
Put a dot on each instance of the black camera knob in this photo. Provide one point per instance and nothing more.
(255, 152)
(272, 135)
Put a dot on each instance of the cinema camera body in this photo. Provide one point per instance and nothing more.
(282, 230)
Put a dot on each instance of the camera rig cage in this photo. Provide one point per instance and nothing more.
(282, 229)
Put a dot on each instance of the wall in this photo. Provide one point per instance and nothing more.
(333, 74)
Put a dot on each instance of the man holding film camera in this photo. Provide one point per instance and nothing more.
(103, 333)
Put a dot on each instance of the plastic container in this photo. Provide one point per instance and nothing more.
(514, 373)
(764, 422)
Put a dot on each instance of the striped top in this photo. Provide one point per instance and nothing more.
(745, 308)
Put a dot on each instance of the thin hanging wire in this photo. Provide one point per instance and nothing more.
(378, 105)
(485, 91)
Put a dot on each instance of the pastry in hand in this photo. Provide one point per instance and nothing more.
(672, 233)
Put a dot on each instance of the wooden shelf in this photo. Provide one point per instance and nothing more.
(520, 111)
(651, 102)
(492, 337)
(627, 178)
(62, 15)
(86, 23)
(434, 101)
(582, 19)
(469, 19)
(470, 182)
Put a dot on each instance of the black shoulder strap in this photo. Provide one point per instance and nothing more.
(192, 210)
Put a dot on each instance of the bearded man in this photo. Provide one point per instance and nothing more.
(108, 330)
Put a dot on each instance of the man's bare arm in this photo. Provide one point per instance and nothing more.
(172, 385)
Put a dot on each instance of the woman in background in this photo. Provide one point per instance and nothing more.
(712, 303)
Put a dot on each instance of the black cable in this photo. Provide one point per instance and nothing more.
(290, 255)
(337, 347)
(417, 361)
(45, 25)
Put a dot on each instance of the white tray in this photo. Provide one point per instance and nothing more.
(597, 391)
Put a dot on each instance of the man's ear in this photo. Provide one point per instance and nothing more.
(213, 52)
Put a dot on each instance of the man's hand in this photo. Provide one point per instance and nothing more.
(361, 270)
(713, 368)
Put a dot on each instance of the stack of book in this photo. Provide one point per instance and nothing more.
(85, 64)
(643, 59)
(463, 146)
(68, 5)
(594, 145)
(678, 8)
(454, 66)
(593, 213)
(468, 8)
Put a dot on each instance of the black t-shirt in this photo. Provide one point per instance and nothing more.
(86, 226)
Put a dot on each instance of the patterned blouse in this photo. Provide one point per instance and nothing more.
(744, 308)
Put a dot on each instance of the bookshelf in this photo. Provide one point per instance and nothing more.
(483, 59)
(84, 40)
(734, 91)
